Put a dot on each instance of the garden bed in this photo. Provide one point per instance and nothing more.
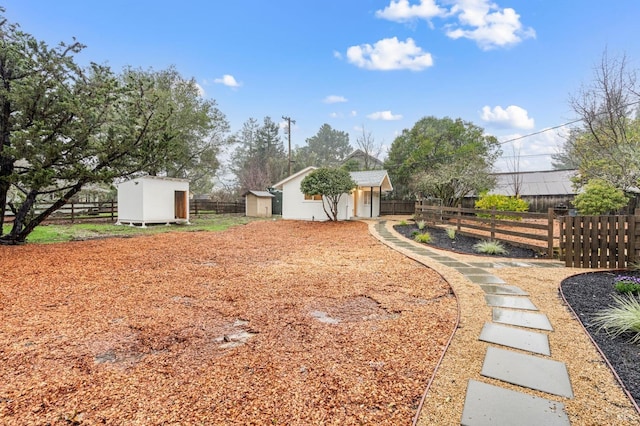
(590, 293)
(461, 243)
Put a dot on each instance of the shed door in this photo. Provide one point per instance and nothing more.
(181, 204)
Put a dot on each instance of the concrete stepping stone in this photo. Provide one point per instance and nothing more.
(515, 302)
(471, 270)
(522, 319)
(529, 371)
(485, 279)
(516, 338)
(488, 405)
(503, 289)
(454, 263)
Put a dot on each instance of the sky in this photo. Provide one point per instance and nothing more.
(363, 66)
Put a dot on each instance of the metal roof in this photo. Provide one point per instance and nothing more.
(553, 182)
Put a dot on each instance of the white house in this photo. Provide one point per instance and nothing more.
(152, 199)
(362, 202)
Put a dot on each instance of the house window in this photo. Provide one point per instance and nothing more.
(317, 197)
(367, 198)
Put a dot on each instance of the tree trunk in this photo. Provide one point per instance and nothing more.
(23, 227)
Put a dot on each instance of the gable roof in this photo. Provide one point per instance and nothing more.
(360, 155)
(372, 178)
(304, 171)
(259, 194)
(552, 182)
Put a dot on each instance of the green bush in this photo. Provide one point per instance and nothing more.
(625, 284)
(501, 203)
(423, 238)
(451, 233)
(620, 318)
(490, 247)
(403, 222)
(599, 197)
(421, 224)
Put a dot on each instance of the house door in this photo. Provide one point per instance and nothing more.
(181, 204)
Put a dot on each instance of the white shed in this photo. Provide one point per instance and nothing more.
(153, 199)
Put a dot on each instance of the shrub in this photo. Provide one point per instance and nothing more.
(625, 284)
(620, 318)
(423, 238)
(414, 233)
(451, 233)
(599, 197)
(490, 247)
(501, 203)
(403, 222)
(421, 224)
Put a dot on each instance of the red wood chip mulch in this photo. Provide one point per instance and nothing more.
(274, 322)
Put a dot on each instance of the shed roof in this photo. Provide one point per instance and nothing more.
(552, 182)
(259, 194)
(304, 171)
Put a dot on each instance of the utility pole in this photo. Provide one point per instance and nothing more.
(288, 132)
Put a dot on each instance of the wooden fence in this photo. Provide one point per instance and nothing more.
(108, 210)
(388, 207)
(537, 234)
(600, 241)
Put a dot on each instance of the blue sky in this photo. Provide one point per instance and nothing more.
(507, 66)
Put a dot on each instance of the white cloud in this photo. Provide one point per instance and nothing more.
(201, 91)
(384, 115)
(390, 54)
(487, 24)
(513, 117)
(335, 115)
(354, 113)
(228, 80)
(334, 99)
(402, 11)
(530, 153)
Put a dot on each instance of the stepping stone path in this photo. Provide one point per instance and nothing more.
(516, 327)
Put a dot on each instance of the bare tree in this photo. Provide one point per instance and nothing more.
(607, 146)
(513, 165)
(371, 149)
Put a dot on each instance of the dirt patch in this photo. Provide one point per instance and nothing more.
(217, 328)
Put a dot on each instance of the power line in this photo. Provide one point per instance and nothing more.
(561, 125)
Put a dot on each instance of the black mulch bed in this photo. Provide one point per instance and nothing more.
(589, 293)
(463, 243)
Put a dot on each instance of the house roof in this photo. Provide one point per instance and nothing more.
(304, 171)
(259, 194)
(360, 154)
(372, 178)
(367, 178)
(553, 182)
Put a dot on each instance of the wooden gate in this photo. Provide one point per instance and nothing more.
(599, 241)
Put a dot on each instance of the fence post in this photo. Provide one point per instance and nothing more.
(550, 218)
(72, 211)
(493, 223)
(112, 215)
(459, 219)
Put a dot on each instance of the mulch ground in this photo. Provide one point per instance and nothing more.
(590, 293)
(274, 322)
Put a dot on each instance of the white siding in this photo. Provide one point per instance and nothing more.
(149, 199)
(294, 206)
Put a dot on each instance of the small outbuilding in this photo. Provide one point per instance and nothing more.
(362, 202)
(153, 199)
(258, 203)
